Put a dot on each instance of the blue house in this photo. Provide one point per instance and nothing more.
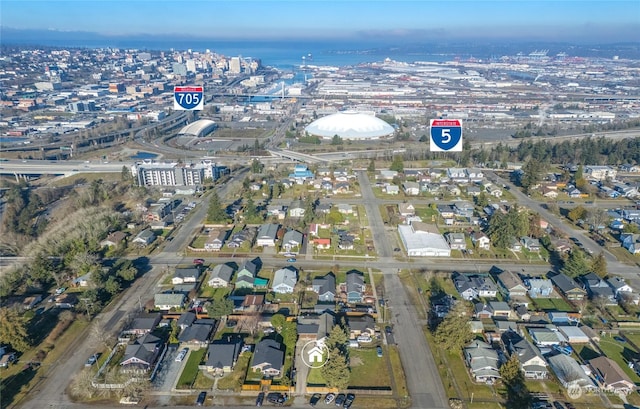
(355, 286)
(301, 173)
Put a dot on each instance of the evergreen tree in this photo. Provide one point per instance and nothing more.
(481, 200)
(397, 164)
(576, 264)
(599, 265)
(532, 174)
(336, 370)
(216, 213)
(372, 166)
(454, 332)
(13, 329)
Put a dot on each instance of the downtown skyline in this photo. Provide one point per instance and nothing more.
(382, 22)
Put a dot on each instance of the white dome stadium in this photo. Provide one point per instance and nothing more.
(350, 125)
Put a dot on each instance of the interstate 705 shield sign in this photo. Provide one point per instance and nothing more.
(188, 98)
(446, 135)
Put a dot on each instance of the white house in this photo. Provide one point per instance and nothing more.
(284, 280)
(220, 276)
(267, 235)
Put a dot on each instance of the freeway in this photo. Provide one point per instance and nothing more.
(55, 167)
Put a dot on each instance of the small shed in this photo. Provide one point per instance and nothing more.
(557, 317)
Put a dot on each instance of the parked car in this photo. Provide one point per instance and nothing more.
(198, 261)
(60, 290)
(348, 400)
(276, 398)
(329, 398)
(620, 339)
(379, 351)
(387, 329)
(315, 398)
(340, 399)
(92, 360)
(182, 354)
(260, 399)
(201, 398)
(291, 260)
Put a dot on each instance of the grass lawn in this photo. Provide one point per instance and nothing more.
(633, 337)
(621, 353)
(235, 379)
(367, 369)
(585, 352)
(553, 304)
(398, 372)
(315, 377)
(461, 375)
(190, 370)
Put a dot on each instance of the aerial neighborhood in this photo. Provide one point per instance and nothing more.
(296, 241)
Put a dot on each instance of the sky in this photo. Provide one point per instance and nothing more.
(375, 20)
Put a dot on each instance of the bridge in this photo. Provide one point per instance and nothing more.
(296, 156)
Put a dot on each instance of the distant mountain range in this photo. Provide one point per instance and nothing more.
(472, 48)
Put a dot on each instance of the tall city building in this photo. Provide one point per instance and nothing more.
(234, 65)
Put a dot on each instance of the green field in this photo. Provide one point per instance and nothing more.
(190, 370)
(553, 304)
(622, 354)
(367, 369)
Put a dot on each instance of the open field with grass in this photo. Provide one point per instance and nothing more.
(622, 354)
(367, 369)
(553, 304)
(233, 381)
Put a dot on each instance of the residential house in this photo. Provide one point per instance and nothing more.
(610, 376)
(456, 241)
(141, 354)
(570, 373)
(631, 242)
(252, 302)
(322, 244)
(267, 235)
(345, 208)
(531, 361)
(186, 319)
(453, 190)
(446, 211)
(144, 238)
(325, 287)
(598, 288)
(167, 302)
(480, 240)
(301, 173)
(277, 211)
(186, 275)
(66, 300)
(354, 286)
(291, 241)
(361, 325)
(316, 327)
(222, 355)
(406, 210)
(539, 287)
(114, 239)
(600, 172)
(531, 244)
(567, 286)
(297, 209)
(510, 284)
(284, 280)
(246, 235)
(482, 361)
(216, 240)
(144, 324)
(411, 188)
(494, 191)
(619, 286)
(473, 191)
(268, 358)
(515, 245)
(458, 175)
(220, 276)
(629, 168)
(245, 278)
(196, 335)
(386, 174)
(391, 189)
(482, 311)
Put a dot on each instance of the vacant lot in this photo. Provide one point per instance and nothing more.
(367, 370)
(553, 304)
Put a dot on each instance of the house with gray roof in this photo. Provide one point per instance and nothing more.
(569, 372)
(598, 288)
(268, 358)
(510, 284)
(355, 286)
(168, 301)
(539, 287)
(220, 276)
(141, 354)
(325, 287)
(222, 356)
(196, 335)
(144, 238)
(618, 285)
(567, 286)
(267, 235)
(316, 327)
(482, 361)
(186, 319)
(611, 377)
(361, 325)
(456, 241)
(144, 323)
(531, 361)
(245, 278)
(291, 241)
(284, 280)
(186, 275)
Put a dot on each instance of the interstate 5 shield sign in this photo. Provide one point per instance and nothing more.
(446, 135)
(188, 98)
